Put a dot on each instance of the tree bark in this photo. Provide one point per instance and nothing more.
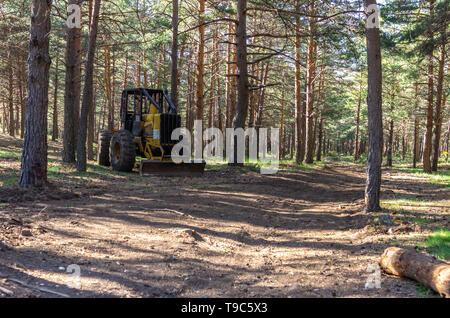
(375, 120)
(429, 126)
(11, 126)
(108, 85)
(320, 140)
(280, 150)
(125, 73)
(55, 134)
(311, 76)
(242, 81)
(174, 55)
(358, 113)
(241, 63)
(427, 270)
(72, 92)
(138, 71)
(438, 117)
(33, 172)
(416, 146)
(91, 127)
(299, 142)
(87, 102)
(21, 82)
(390, 137)
(200, 61)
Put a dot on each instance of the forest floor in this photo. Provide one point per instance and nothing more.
(231, 233)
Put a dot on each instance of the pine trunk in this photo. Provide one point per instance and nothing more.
(375, 124)
(358, 113)
(33, 171)
(429, 125)
(174, 55)
(55, 134)
(200, 61)
(311, 75)
(88, 95)
(72, 92)
(416, 145)
(438, 117)
(299, 142)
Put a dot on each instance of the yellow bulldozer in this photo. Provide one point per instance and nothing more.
(147, 119)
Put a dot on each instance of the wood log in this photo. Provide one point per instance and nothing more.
(425, 269)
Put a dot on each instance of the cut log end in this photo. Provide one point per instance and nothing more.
(425, 269)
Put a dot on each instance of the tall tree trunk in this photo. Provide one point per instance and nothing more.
(320, 140)
(429, 126)
(416, 146)
(11, 125)
(174, 55)
(219, 105)
(302, 151)
(200, 61)
(447, 139)
(241, 63)
(125, 73)
(189, 101)
(358, 113)
(108, 85)
(228, 77)
(17, 120)
(299, 142)
(4, 120)
(233, 97)
(311, 77)
(390, 141)
(33, 171)
(55, 134)
(404, 138)
(91, 127)
(375, 125)
(138, 70)
(72, 91)
(87, 102)
(261, 96)
(438, 117)
(282, 120)
(22, 84)
(213, 71)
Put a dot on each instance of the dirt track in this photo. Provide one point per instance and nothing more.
(232, 233)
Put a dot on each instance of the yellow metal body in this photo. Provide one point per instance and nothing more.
(149, 144)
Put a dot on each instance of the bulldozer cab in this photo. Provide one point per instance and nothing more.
(137, 102)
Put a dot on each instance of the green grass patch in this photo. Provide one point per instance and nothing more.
(440, 177)
(420, 220)
(438, 244)
(404, 202)
(7, 153)
(9, 181)
(423, 290)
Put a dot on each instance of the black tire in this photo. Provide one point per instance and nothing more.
(122, 151)
(104, 140)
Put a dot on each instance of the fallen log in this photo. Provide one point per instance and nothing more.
(433, 273)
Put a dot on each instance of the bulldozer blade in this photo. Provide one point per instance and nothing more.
(172, 169)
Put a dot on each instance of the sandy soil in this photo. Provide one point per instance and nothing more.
(231, 233)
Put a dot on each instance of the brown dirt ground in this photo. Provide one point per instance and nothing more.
(231, 233)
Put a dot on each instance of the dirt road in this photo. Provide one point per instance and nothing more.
(232, 233)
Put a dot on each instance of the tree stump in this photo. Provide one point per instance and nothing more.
(425, 269)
